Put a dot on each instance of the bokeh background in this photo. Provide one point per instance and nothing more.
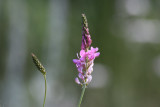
(127, 32)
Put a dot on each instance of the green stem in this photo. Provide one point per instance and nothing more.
(45, 90)
(82, 93)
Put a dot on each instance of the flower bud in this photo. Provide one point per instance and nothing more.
(38, 64)
(86, 38)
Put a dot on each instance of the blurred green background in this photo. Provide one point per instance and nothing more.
(127, 32)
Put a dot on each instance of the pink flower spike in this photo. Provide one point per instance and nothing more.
(77, 81)
(86, 56)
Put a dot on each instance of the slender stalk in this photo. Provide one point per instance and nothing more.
(45, 90)
(82, 93)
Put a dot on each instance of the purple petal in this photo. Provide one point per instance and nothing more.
(82, 59)
(89, 41)
(97, 54)
(77, 81)
(83, 45)
(91, 57)
(89, 78)
(75, 61)
(81, 76)
(80, 68)
(82, 53)
(94, 49)
(78, 64)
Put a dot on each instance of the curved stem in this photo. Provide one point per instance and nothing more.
(45, 90)
(82, 93)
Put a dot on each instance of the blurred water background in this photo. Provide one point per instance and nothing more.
(127, 32)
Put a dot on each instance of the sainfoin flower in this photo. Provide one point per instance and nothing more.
(86, 57)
